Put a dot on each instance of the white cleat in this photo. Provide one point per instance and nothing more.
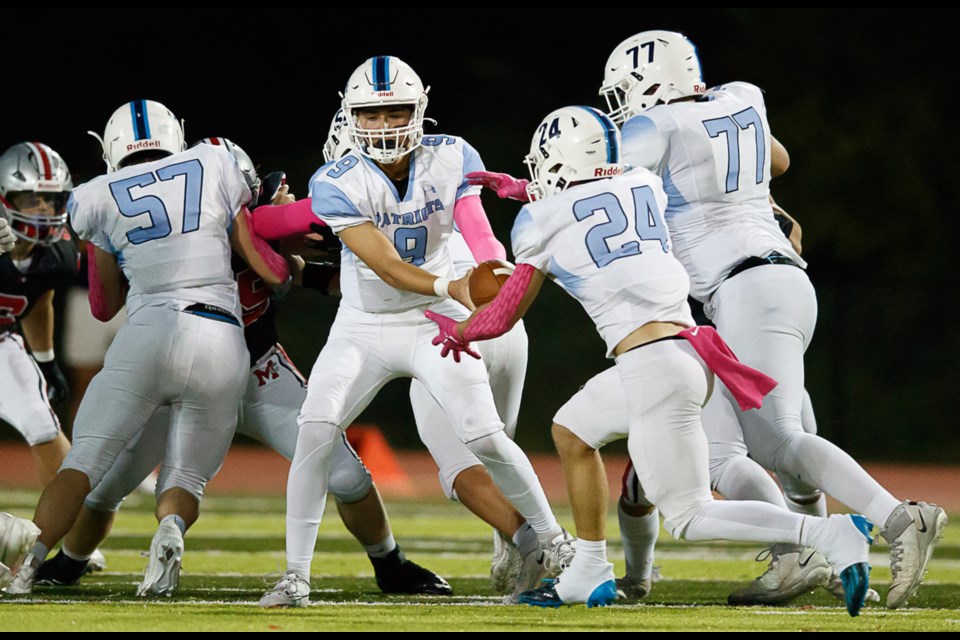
(913, 530)
(97, 562)
(835, 587)
(506, 564)
(558, 553)
(290, 592)
(793, 571)
(162, 574)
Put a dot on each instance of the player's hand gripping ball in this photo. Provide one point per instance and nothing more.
(486, 280)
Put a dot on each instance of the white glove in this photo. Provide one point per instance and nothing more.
(7, 239)
(17, 537)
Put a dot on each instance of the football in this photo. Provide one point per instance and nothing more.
(486, 280)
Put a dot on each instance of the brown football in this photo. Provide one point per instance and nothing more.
(486, 280)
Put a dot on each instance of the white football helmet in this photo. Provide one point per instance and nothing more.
(246, 165)
(647, 68)
(572, 144)
(337, 144)
(380, 82)
(32, 175)
(140, 125)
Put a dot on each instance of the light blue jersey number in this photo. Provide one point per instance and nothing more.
(647, 224)
(159, 227)
(730, 127)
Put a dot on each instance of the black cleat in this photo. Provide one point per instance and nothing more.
(396, 574)
(545, 596)
(61, 571)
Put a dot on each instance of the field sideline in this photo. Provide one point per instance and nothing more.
(239, 540)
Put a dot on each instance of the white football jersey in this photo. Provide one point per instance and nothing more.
(353, 191)
(714, 157)
(606, 244)
(168, 222)
(463, 259)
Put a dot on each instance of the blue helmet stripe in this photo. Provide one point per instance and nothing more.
(146, 118)
(138, 114)
(381, 73)
(609, 134)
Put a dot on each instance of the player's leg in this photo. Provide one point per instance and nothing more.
(132, 391)
(348, 373)
(463, 391)
(463, 478)
(24, 405)
(96, 518)
(207, 372)
(774, 341)
(670, 383)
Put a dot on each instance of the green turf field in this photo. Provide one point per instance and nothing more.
(238, 541)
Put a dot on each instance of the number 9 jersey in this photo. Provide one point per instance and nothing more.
(353, 191)
(713, 154)
(605, 243)
(167, 222)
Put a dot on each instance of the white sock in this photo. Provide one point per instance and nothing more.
(590, 553)
(79, 557)
(639, 536)
(382, 549)
(514, 476)
(307, 493)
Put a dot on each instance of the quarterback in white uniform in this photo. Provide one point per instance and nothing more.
(605, 242)
(393, 205)
(715, 154)
(165, 219)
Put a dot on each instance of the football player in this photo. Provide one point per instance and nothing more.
(274, 393)
(393, 203)
(163, 220)
(34, 186)
(602, 237)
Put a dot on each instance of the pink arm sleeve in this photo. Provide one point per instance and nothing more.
(473, 224)
(273, 260)
(497, 317)
(272, 222)
(97, 294)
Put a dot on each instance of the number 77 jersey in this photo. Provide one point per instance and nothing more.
(605, 243)
(167, 222)
(713, 154)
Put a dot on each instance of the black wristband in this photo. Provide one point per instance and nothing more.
(317, 275)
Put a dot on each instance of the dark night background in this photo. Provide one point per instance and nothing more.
(861, 99)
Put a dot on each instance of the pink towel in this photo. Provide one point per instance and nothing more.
(747, 385)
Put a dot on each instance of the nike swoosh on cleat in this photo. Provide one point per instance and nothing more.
(923, 524)
(803, 563)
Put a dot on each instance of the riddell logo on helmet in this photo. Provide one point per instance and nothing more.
(610, 171)
(45, 185)
(382, 94)
(143, 144)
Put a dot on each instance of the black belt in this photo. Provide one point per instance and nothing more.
(212, 312)
(750, 263)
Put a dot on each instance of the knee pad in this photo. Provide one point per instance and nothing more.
(350, 481)
(189, 481)
(490, 447)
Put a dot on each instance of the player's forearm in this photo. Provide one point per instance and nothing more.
(475, 227)
(108, 290)
(511, 303)
(272, 222)
(269, 265)
(405, 276)
(37, 326)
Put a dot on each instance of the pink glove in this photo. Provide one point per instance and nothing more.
(448, 337)
(504, 184)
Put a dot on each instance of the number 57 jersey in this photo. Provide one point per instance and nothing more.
(605, 243)
(167, 222)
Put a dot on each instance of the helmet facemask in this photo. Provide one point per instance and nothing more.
(384, 82)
